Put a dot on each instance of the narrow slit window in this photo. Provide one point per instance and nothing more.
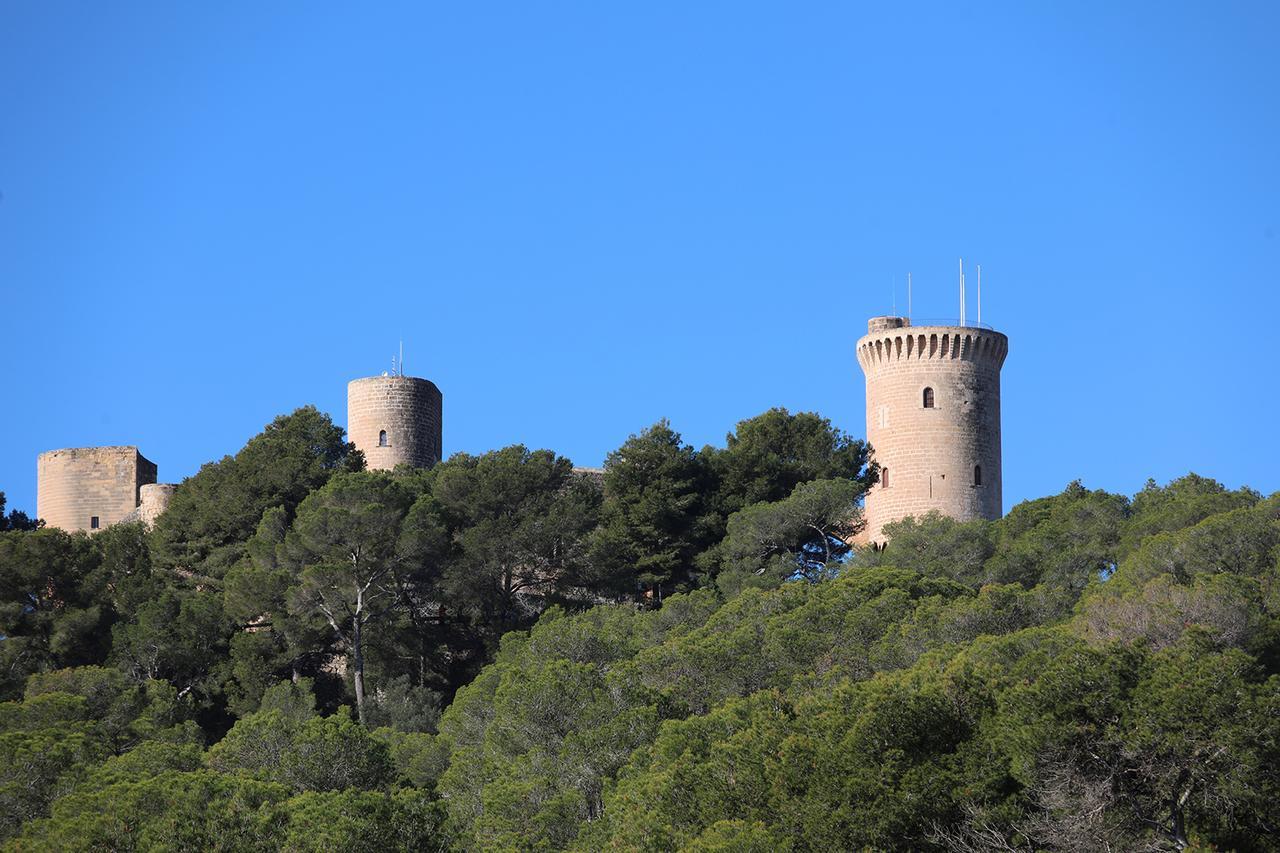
(977, 475)
(382, 439)
(928, 398)
(884, 478)
(93, 522)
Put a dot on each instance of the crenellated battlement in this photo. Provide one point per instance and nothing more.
(891, 341)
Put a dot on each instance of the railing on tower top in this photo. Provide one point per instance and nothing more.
(949, 321)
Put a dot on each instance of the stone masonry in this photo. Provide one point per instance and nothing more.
(154, 499)
(394, 420)
(74, 486)
(933, 420)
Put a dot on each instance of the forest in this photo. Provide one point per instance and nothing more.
(683, 652)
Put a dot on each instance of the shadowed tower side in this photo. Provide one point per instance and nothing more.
(395, 420)
(933, 420)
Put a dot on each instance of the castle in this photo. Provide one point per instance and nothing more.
(391, 419)
(89, 488)
(933, 419)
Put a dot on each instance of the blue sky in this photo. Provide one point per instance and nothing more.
(582, 217)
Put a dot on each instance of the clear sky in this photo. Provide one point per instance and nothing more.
(584, 217)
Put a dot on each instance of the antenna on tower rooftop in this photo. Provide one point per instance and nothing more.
(402, 357)
(962, 291)
(979, 294)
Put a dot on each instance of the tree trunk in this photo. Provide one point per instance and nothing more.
(357, 665)
(1177, 817)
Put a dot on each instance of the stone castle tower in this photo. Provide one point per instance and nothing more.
(89, 488)
(394, 420)
(933, 420)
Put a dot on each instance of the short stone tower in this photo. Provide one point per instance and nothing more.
(89, 488)
(933, 420)
(394, 420)
(153, 500)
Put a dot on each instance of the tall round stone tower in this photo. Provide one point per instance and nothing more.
(394, 420)
(933, 420)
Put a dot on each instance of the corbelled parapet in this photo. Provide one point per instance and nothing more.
(889, 340)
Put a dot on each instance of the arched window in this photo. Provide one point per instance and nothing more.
(977, 475)
(382, 439)
(928, 398)
(884, 478)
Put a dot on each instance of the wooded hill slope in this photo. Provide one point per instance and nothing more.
(1091, 672)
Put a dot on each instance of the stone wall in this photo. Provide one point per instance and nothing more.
(945, 456)
(76, 485)
(406, 409)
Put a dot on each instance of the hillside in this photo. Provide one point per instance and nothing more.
(684, 654)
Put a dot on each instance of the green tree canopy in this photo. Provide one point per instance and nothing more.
(767, 456)
(937, 545)
(805, 535)
(307, 754)
(517, 521)
(651, 522)
(213, 514)
(1180, 504)
(54, 607)
(342, 553)
(16, 519)
(1070, 539)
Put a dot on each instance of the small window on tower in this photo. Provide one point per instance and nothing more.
(928, 398)
(382, 439)
(884, 478)
(93, 522)
(977, 475)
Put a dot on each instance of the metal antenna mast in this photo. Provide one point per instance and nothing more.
(402, 358)
(979, 294)
(962, 291)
